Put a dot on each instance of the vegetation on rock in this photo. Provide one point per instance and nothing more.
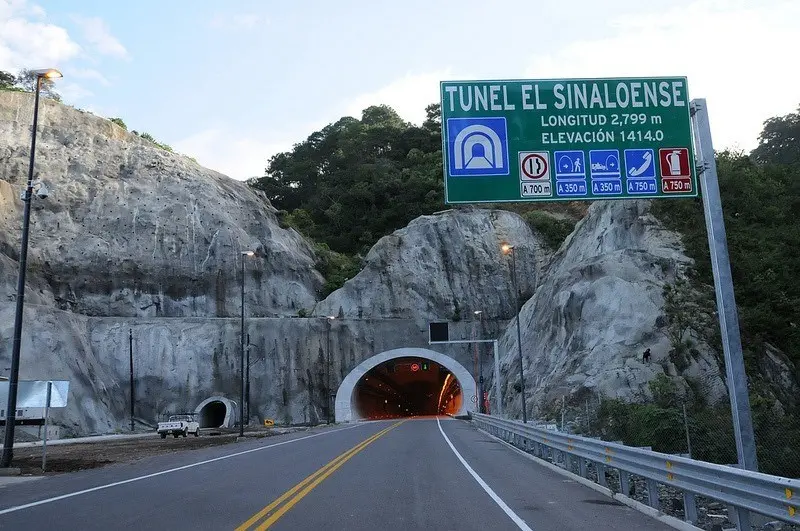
(25, 81)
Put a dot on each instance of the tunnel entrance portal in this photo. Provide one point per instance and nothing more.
(216, 412)
(405, 382)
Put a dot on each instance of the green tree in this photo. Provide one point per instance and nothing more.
(26, 80)
(779, 142)
(554, 230)
(760, 205)
(7, 80)
(357, 179)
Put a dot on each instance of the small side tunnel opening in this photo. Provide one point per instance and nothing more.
(405, 387)
(212, 415)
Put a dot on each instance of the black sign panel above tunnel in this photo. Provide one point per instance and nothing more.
(438, 333)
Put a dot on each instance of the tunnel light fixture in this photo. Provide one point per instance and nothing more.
(507, 248)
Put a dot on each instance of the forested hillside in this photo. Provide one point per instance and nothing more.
(357, 180)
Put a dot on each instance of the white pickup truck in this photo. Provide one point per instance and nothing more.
(177, 425)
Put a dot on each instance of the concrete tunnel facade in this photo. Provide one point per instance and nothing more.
(344, 406)
(217, 412)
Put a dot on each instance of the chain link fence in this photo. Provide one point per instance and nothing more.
(685, 426)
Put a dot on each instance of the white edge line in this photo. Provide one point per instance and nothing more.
(506, 509)
(184, 467)
(671, 521)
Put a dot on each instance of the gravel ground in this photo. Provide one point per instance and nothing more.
(81, 456)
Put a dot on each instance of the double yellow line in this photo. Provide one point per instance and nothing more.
(272, 512)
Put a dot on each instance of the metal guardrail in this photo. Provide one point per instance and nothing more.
(743, 491)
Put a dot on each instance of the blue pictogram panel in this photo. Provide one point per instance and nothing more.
(605, 164)
(640, 164)
(570, 165)
(477, 146)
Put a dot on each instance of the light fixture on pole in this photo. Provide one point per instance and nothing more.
(245, 254)
(27, 194)
(508, 249)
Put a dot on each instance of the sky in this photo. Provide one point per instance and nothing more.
(233, 83)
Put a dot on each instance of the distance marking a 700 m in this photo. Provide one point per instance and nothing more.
(534, 174)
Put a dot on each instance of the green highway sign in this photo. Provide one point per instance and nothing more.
(567, 140)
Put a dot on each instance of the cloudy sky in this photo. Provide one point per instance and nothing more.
(231, 83)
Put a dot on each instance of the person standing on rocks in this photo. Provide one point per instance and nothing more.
(646, 356)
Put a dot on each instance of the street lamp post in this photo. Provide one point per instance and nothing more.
(245, 254)
(133, 389)
(13, 380)
(247, 381)
(509, 249)
(329, 322)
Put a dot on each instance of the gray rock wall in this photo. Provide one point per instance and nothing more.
(179, 362)
(444, 266)
(133, 230)
(598, 308)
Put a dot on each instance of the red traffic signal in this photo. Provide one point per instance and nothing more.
(414, 367)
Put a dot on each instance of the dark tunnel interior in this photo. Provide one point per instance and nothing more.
(213, 414)
(406, 387)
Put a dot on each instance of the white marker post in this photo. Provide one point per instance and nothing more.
(726, 303)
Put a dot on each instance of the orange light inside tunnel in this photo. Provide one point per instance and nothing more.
(441, 393)
(405, 387)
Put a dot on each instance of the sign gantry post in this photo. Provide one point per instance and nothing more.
(440, 333)
(726, 302)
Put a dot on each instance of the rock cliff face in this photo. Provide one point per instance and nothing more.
(134, 238)
(133, 230)
(600, 305)
(444, 266)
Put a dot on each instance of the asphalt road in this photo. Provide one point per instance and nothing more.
(413, 474)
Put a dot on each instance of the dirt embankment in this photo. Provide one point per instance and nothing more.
(81, 456)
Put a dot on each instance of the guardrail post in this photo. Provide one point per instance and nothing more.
(582, 467)
(625, 483)
(740, 518)
(689, 507)
(652, 494)
(601, 474)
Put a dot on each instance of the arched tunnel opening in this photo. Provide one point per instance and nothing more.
(212, 415)
(406, 387)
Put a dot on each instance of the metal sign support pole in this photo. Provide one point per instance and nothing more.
(723, 285)
(496, 363)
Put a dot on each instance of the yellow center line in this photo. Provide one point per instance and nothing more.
(260, 514)
(308, 484)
